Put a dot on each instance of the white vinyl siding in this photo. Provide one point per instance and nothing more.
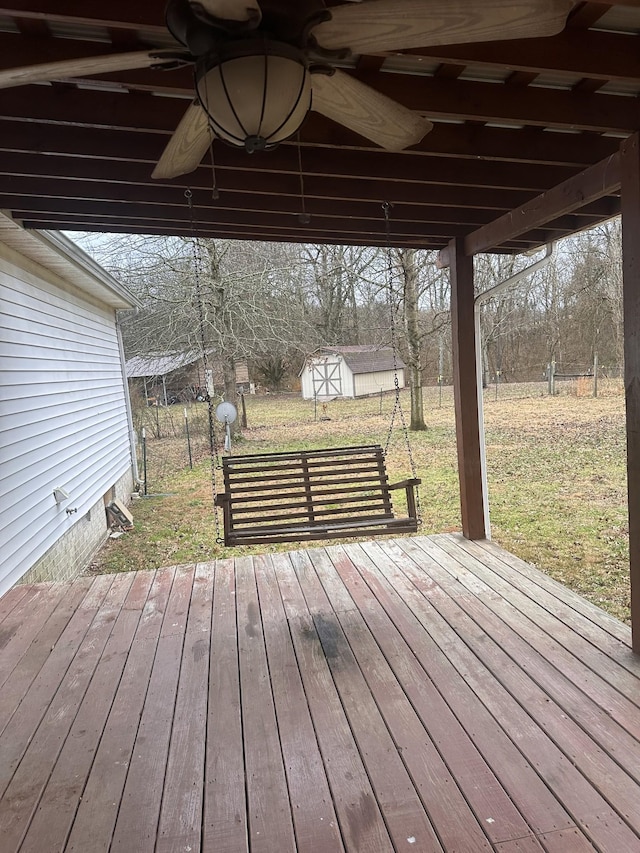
(62, 411)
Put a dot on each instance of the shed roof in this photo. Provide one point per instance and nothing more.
(367, 358)
(158, 364)
(162, 364)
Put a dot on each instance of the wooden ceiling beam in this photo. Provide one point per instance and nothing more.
(123, 172)
(597, 54)
(30, 193)
(437, 97)
(120, 211)
(68, 177)
(595, 182)
(25, 136)
(231, 232)
(121, 14)
(23, 191)
(587, 14)
(140, 112)
(30, 49)
(116, 14)
(463, 100)
(263, 225)
(495, 102)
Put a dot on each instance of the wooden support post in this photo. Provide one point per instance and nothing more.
(630, 192)
(465, 387)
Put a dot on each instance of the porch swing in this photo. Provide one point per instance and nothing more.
(309, 495)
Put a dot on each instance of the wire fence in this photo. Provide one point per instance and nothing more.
(168, 440)
(175, 438)
(551, 380)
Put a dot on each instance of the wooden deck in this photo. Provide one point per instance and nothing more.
(422, 694)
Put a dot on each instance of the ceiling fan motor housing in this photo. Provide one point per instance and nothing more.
(256, 92)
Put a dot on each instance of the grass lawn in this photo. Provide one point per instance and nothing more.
(556, 479)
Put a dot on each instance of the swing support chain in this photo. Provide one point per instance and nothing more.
(397, 405)
(216, 463)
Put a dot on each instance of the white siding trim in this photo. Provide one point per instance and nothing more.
(55, 253)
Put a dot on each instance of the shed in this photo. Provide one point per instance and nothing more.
(65, 430)
(351, 371)
(181, 376)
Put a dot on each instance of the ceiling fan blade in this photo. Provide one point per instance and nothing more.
(84, 67)
(188, 145)
(230, 10)
(376, 26)
(369, 113)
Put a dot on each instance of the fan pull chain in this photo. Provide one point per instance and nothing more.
(215, 193)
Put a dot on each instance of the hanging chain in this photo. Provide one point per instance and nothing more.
(213, 446)
(397, 406)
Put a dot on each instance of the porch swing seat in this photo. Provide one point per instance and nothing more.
(311, 495)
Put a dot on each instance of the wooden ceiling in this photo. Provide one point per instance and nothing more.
(512, 119)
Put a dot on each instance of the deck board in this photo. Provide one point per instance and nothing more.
(12, 597)
(180, 823)
(268, 808)
(419, 694)
(225, 804)
(19, 679)
(314, 817)
(139, 809)
(346, 773)
(51, 822)
(400, 803)
(495, 813)
(29, 615)
(98, 809)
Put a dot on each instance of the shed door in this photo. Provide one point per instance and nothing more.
(327, 379)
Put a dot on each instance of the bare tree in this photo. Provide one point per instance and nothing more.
(411, 294)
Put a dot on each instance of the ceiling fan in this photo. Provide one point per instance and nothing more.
(260, 68)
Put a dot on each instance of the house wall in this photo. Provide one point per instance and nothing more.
(62, 419)
(75, 549)
(373, 383)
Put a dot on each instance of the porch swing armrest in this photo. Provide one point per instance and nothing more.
(222, 499)
(409, 485)
(405, 484)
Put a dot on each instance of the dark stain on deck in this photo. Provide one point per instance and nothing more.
(331, 638)
(253, 617)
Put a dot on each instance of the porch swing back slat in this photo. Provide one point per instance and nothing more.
(311, 494)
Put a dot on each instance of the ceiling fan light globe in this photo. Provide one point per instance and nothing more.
(256, 101)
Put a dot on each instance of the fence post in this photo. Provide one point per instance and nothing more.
(144, 458)
(595, 374)
(243, 409)
(186, 428)
(552, 378)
